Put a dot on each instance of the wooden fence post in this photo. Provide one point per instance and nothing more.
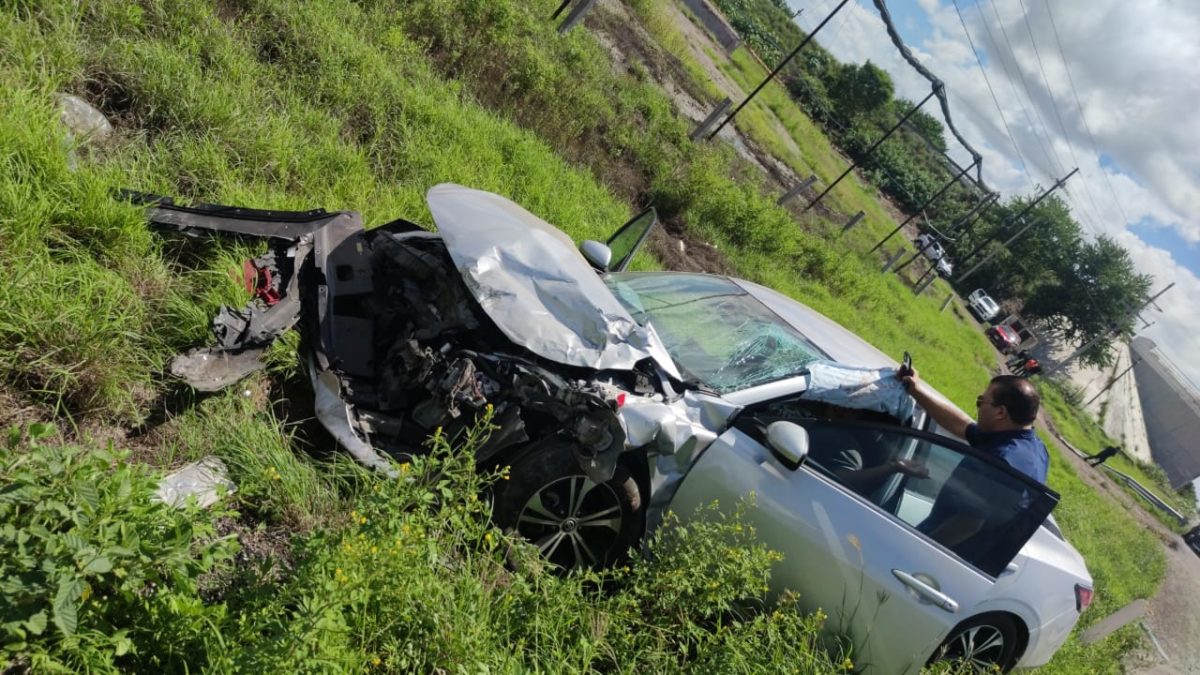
(712, 118)
(575, 15)
(892, 259)
(853, 221)
(797, 189)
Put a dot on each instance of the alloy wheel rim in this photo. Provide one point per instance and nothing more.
(980, 646)
(573, 521)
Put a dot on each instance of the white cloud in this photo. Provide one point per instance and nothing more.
(1136, 71)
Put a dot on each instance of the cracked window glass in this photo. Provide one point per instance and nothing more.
(715, 330)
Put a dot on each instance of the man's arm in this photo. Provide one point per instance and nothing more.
(865, 479)
(947, 416)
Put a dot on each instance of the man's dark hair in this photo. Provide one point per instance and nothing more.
(1018, 396)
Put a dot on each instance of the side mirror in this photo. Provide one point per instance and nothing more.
(598, 255)
(788, 442)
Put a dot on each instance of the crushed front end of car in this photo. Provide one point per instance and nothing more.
(406, 332)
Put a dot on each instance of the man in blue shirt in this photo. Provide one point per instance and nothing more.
(1006, 411)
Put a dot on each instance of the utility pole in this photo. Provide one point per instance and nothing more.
(876, 144)
(778, 68)
(969, 218)
(991, 255)
(1112, 382)
(922, 208)
(1062, 364)
(933, 148)
(1016, 218)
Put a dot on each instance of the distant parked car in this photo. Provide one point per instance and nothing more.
(982, 305)
(1192, 539)
(1004, 338)
(933, 250)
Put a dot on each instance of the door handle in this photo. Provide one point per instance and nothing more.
(926, 591)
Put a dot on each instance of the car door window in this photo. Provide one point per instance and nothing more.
(628, 240)
(976, 506)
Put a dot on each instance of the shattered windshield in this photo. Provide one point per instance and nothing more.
(714, 329)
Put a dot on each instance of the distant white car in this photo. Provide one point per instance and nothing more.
(931, 249)
(983, 305)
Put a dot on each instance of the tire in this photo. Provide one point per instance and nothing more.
(982, 643)
(574, 522)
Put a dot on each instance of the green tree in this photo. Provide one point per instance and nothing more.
(861, 89)
(924, 123)
(1092, 297)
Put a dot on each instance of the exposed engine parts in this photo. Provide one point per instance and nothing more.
(387, 313)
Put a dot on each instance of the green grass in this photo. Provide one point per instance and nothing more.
(364, 106)
(1125, 560)
(810, 151)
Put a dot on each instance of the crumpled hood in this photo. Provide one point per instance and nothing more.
(529, 279)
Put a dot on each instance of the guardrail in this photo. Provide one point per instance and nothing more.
(1147, 495)
(1137, 487)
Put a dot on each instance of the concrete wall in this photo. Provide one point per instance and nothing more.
(715, 23)
(1123, 416)
(1172, 414)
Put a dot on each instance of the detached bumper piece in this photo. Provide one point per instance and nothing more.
(243, 335)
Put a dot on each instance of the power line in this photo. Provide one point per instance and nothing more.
(939, 87)
(1082, 116)
(995, 101)
(837, 30)
(1054, 104)
(1053, 163)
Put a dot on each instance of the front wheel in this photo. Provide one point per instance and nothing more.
(985, 644)
(574, 521)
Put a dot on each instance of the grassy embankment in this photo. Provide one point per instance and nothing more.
(1082, 431)
(364, 106)
(807, 151)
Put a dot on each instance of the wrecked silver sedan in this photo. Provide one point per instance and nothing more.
(620, 395)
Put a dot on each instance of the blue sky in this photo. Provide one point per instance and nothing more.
(1110, 86)
(1157, 235)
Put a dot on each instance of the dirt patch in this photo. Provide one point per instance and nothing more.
(265, 556)
(15, 411)
(629, 44)
(680, 252)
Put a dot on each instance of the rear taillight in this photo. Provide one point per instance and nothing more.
(1083, 597)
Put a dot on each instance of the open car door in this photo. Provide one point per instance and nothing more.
(896, 562)
(629, 238)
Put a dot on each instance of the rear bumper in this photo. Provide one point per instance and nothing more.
(1046, 640)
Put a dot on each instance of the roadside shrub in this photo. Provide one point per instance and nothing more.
(695, 599)
(96, 575)
(1071, 393)
(418, 580)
